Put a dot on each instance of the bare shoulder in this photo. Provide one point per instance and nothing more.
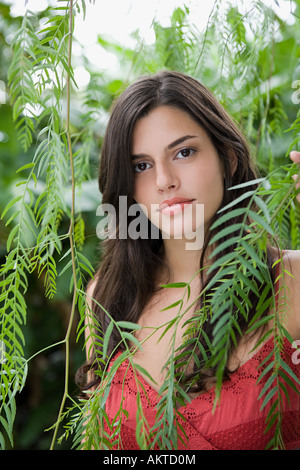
(291, 265)
(291, 258)
(88, 316)
(90, 290)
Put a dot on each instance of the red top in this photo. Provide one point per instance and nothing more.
(237, 422)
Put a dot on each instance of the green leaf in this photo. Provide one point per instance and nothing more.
(10, 205)
(224, 245)
(107, 338)
(227, 231)
(130, 337)
(236, 201)
(268, 397)
(290, 373)
(129, 325)
(262, 222)
(269, 382)
(178, 302)
(144, 372)
(24, 167)
(11, 236)
(228, 216)
(175, 285)
(248, 183)
(267, 369)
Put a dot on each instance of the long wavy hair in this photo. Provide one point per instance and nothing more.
(127, 276)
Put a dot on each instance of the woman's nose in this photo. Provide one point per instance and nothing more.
(166, 177)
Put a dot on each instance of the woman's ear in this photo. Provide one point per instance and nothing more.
(233, 160)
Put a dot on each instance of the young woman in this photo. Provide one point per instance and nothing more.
(172, 149)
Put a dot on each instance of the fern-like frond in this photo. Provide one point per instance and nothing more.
(21, 80)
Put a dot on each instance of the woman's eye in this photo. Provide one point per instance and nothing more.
(185, 153)
(140, 167)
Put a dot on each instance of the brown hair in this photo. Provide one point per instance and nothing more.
(126, 278)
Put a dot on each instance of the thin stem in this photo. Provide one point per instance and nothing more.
(70, 234)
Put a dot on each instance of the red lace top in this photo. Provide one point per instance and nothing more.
(237, 422)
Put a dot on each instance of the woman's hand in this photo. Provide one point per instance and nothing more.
(295, 157)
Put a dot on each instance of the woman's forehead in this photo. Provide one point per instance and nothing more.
(165, 128)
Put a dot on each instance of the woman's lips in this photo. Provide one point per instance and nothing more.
(174, 205)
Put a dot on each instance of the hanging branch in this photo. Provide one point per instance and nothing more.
(70, 233)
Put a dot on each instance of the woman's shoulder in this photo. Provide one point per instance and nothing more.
(290, 275)
(292, 257)
(90, 289)
(291, 267)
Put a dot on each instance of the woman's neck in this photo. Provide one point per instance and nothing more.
(183, 264)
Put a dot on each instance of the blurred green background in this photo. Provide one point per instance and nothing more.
(252, 63)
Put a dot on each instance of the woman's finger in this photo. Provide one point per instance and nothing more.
(295, 156)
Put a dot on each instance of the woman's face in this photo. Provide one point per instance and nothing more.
(177, 172)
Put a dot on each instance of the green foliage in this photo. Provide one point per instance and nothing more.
(248, 58)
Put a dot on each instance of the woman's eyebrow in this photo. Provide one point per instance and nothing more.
(169, 147)
(180, 140)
